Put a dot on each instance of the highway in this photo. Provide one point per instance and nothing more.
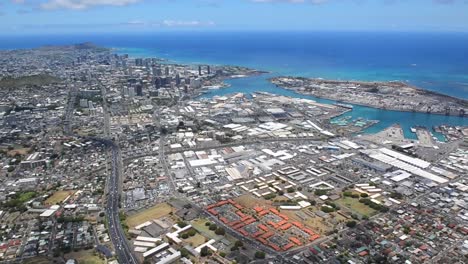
(70, 108)
(116, 233)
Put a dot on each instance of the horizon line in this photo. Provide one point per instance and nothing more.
(185, 31)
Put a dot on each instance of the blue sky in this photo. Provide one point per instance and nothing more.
(58, 16)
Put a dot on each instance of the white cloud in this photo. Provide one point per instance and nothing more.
(315, 2)
(82, 4)
(192, 23)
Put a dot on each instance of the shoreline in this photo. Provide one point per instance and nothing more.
(261, 72)
(370, 106)
(460, 103)
(256, 72)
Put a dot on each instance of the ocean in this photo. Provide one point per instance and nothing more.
(433, 61)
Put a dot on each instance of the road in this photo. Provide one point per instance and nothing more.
(113, 194)
(116, 233)
(163, 162)
(69, 110)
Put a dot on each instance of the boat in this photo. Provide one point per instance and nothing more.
(344, 105)
(413, 130)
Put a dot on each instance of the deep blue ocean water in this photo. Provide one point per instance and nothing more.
(434, 61)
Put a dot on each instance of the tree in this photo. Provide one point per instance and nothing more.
(327, 209)
(184, 252)
(220, 231)
(364, 195)
(222, 254)
(365, 201)
(204, 252)
(207, 224)
(181, 224)
(184, 236)
(396, 195)
(351, 224)
(260, 255)
(384, 209)
(290, 190)
(239, 243)
(192, 232)
(320, 192)
(213, 227)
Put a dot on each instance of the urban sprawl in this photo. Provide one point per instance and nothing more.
(111, 159)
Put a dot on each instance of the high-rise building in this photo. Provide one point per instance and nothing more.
(157, 83)
(177, 79)
(138, 62)
(199, 70)
(131, 92)
(155, 70)
(167, 71)
(139, 90)
(208, 69)
(167, 81)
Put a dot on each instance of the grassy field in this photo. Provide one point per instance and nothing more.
(19, 151)
(154, 212)
(85, 257)
(58, 197)
(38, 260)
(249, 201)
(26, 196)
(355, 206)
(316, 223)
(196, 240)
(199, 225)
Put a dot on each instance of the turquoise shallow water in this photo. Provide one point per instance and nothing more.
(387, 118)
(434, 61)
(260, 83)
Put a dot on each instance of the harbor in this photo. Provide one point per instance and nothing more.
(386, 118)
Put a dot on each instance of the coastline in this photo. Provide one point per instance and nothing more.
(456, 106)
(368, 105)
(386, 117)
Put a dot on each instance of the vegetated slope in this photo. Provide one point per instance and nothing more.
(27, 81)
